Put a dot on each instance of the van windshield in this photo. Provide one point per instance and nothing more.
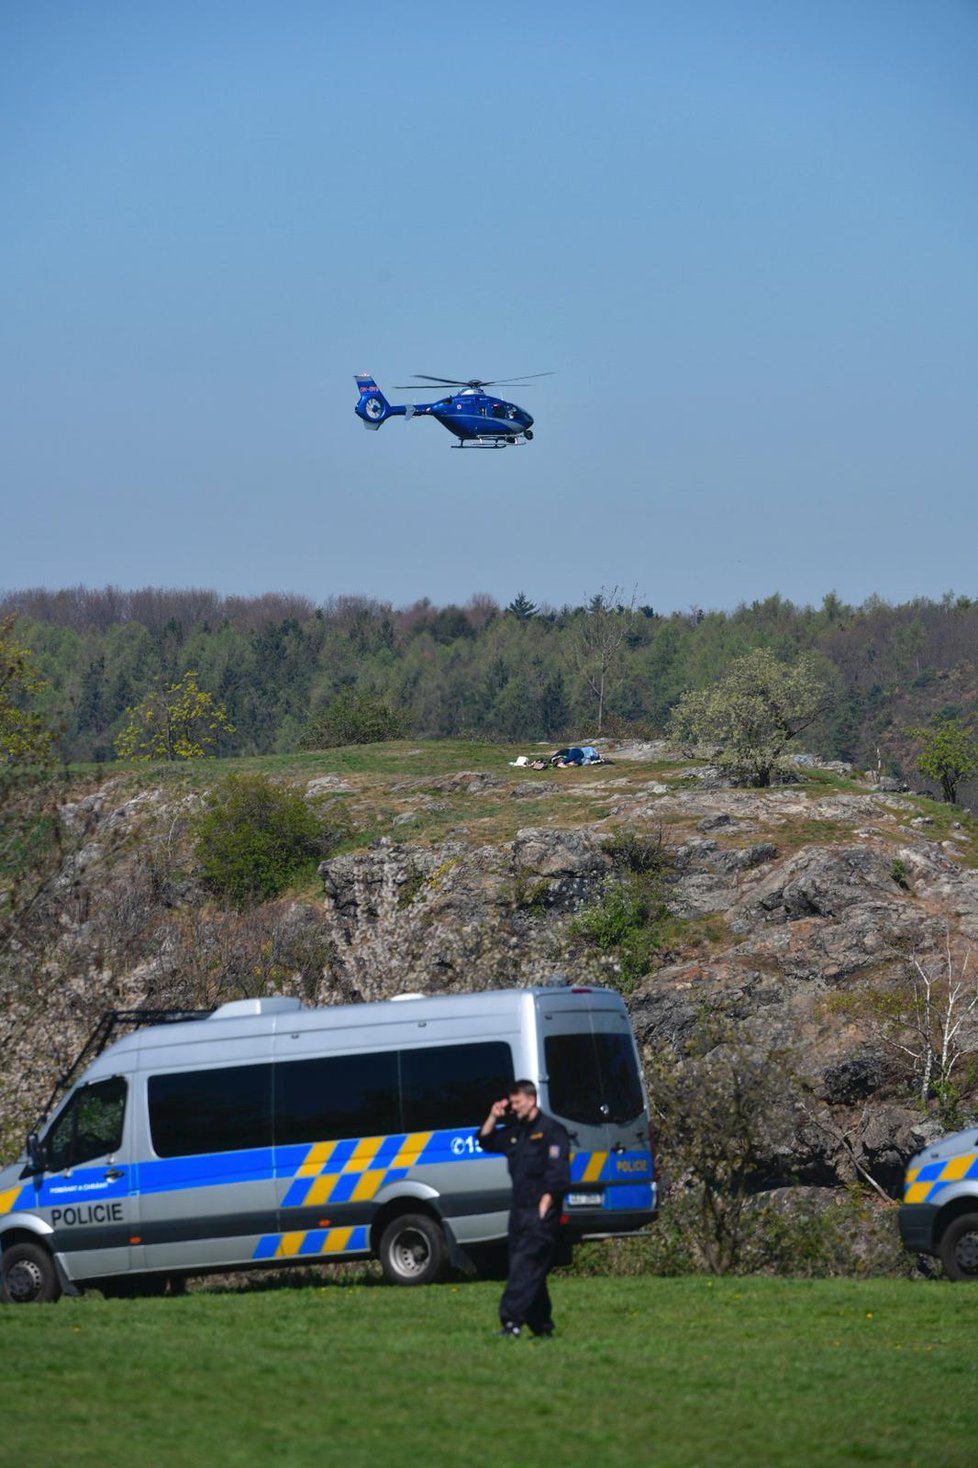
(593, 1078)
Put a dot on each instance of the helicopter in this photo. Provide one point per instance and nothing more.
(474, 415)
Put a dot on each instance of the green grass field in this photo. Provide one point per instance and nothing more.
(644, 1371)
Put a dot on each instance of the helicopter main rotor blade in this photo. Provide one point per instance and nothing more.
(476, 382)
(515, 381)
(413, 386)
(445, 381)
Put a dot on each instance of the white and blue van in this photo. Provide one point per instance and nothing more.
(267, 1133)
(939, 1212)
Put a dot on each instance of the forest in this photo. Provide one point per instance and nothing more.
(279, 663)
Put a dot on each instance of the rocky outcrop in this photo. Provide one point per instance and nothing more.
(788, 905)
(453, 917)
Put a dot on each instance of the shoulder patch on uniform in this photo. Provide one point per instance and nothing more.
(555, 1151)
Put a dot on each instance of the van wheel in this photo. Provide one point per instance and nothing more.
(29, 1276)
(959, 1248)
(413, 1250)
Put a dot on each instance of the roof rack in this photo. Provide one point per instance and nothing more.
(112, 1020)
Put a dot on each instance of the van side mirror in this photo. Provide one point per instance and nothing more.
(37, 1157)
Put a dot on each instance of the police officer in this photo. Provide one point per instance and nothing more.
(537, 1150)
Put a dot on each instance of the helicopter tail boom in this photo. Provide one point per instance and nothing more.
(372, 408)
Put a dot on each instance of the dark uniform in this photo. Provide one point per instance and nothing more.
(538, 1155)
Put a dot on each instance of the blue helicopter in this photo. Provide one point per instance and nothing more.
(475, 416)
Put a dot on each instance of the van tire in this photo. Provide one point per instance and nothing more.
(959, 1248)
(29, 1276)
(413, 1250)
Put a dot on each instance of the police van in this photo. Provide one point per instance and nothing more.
(939, 1212)
(267, 1133)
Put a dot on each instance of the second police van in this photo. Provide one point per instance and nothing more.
(267, 1133)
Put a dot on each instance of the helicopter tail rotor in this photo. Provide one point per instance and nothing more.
(372, 409)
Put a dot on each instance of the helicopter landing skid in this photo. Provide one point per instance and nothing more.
(488, 443)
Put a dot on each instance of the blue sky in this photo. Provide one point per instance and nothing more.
(743, 234)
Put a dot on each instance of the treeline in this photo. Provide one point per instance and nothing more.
(521, 672)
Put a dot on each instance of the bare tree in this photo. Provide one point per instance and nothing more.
(597, 640)
(943, 1018)
(929, 1019)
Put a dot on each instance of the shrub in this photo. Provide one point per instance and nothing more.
(353, 718)
(628, 925)
(255, 837)
(798, 1233)
(724, 1115)
(637, 851)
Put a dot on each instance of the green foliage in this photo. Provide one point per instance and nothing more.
(629, 927)
(751, 714)
(632, 850)
(525, 891)
(723, 1110)
(599, 638)
(255, 837)
(899, 873)
(275, 661)
(174, 723)
(522, 608)
(948, 753)
(353, 718)
(33, 833)
(796, 1233)
(25, 738)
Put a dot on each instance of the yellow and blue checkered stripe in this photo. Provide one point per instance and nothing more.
(354, 1170)
(347, 1171)
(313, 1243)
(923, 1183)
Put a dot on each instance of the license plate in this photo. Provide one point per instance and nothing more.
(585, 1200)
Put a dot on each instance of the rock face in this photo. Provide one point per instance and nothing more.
(806, 931)
(454, 918)
(791, 909)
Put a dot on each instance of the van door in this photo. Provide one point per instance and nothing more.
(338, 1140)
(594, 1086)
(206, 1190)
(85, 1191)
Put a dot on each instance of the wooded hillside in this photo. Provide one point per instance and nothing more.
(279, 662)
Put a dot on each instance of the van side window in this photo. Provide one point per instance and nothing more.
(326, 1098)
(453, 1085)
(200, 1111)
(90, 1125)
(336, 1096)
(388, 1092)
(593, 1078)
